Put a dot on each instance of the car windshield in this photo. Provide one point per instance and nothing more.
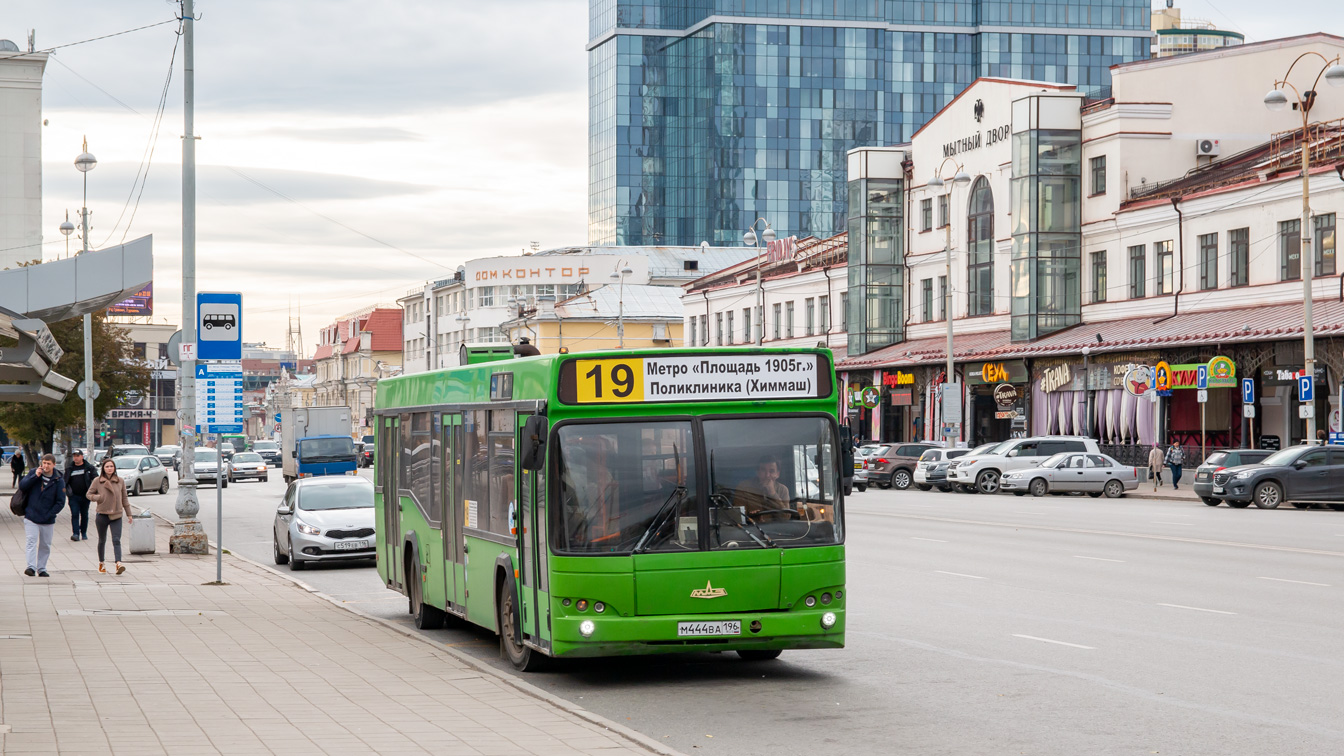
(1285, 457)
(931, 455)
(998, 448)
(1216, 458)
(165, 450)
(247, 457)
(326, 449)
(129, 450)
(1056, 460)
(126, 463)
(356, 493)
(869, 449)
(207, 455)
(265, 446)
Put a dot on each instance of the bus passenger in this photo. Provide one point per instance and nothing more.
(764, 493)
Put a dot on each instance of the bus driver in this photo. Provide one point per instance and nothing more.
(763, 493)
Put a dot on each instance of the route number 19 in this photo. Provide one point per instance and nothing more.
(610, 381)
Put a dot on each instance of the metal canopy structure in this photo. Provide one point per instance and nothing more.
(54, 291)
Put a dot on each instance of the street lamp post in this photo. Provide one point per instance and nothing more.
(619, 275)
(750, 239)
(85, 163)
(938, 182)
(463, 319)
(1087, 393)
(1277, 100)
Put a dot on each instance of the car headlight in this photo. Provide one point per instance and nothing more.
(1243, 475)
(307, 529)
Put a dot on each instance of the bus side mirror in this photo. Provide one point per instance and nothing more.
(534, 443)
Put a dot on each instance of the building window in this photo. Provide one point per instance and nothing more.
(485, 296)
(824, 304)
(1099, 276)
(728, 329)
(1208, 261)
(810, 315)
(1325, 244)
(788, 320)
(926, 215)
(758, 323)
(1290, 250)
(844, 306)
(1166, 273)
(1239, 253)
(746, 325)
(980, 260)
(1098, 165)
(779, 322)
(718, 329)
(690, 332)
(1138, 272)
(942, 210)
(942, 298)
(704, 331)
(926, 298)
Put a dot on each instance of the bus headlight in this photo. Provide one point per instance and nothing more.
(587, 627)
(828, 620)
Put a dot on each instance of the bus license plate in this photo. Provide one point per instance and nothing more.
(692, 629)
(349, 545)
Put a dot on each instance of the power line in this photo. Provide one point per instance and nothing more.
(54, 48)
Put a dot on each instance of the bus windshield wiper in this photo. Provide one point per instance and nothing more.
(670, 505)
(763, 544)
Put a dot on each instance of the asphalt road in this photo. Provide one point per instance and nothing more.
(989, 625)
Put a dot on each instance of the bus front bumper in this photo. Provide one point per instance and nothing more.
(615, 635)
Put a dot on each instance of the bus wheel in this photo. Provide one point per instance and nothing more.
(511, 646)
(758, 655)
(426, 617)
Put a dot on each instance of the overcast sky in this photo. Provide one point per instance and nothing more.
(445, 130)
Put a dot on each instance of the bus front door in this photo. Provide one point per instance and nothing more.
(452, 513)
(389, 446)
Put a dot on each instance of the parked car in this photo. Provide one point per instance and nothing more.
(142, 472)
(269, 451)
(861, 466)
(367, 454)
(208, 467)
(167, 453)
(983, 470)
(98, 455)
(1299, 475)
(932, 468)
(1073, 472)
(1221, 460)
(248, 466)
(123, 450)
(324, 519)
(893, 465)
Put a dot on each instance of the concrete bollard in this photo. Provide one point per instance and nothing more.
(142, 533)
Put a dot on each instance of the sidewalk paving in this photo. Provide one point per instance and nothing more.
(155, 662)
(1185, 493)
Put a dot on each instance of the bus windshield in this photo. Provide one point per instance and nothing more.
(635, 487)
(315, 450)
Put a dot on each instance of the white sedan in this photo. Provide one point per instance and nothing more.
(142, 473)
(1073, 472)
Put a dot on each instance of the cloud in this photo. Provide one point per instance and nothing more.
(352, 134)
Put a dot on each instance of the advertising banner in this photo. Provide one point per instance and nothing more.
(140, 303)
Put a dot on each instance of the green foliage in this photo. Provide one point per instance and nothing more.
(115, 370)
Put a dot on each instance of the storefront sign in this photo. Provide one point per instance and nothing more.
(902, 397)
(1014, 371)
(1139, 380)
(1056, 378)
(132, 414)
(1162, 376)
(1005, 414)
(1005, 395)
(977, 140)
(870, 397)
(1278, 376)
(898, 378)
(1222, 374)
(781, 249)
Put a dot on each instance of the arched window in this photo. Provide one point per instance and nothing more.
(980, 249)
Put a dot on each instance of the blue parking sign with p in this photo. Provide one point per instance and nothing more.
(1248, 391)
(1305, 386)
(1202, 377)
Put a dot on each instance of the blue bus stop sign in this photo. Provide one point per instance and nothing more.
(219, 326)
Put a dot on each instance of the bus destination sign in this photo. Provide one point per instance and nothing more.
(694, 378)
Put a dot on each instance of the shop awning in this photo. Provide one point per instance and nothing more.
(965, 347)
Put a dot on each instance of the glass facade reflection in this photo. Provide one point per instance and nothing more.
(876, 264)
(1046, 266)
(707, 114)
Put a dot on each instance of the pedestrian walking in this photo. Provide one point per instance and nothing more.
(45, 499)
(16, 465)
(78, 477)
(1155, 465)
(108, 491)
(1175, 458)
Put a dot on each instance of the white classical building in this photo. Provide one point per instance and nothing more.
(20, 154)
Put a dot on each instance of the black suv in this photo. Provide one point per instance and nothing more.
(1300, 475)
(1221, 460)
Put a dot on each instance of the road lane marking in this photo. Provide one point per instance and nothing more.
(959, 574)
(934, 540)
(1196, 609)
(1060, 643)
(1099, 559)
(1120, 533)
(1299, 582)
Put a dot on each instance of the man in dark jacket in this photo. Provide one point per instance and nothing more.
(78, 476)
(16, 465)
(45, 499)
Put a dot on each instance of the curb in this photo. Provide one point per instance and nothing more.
(527, 688)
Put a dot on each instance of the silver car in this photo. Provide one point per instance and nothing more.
(1073, 472)
(207, 467)
(142, 472)
(245, 465)
(325, 519)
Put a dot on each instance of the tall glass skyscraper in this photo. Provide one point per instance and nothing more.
(705, 115)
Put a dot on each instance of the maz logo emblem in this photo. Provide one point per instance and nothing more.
(708, 592)
(979, 110)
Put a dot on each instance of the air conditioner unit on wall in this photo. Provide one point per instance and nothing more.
(1206, 147)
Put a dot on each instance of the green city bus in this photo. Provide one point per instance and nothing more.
(618, 502)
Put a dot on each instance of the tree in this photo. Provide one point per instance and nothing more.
(116, 369)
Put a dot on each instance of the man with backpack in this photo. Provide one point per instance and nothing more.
(44, 499)
(1175, 458)
(16, 465)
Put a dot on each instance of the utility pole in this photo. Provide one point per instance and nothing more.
(188, 535)
(85, 163)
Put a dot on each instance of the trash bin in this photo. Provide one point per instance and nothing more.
(142, 532)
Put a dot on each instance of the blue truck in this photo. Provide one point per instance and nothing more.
(316, 441)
